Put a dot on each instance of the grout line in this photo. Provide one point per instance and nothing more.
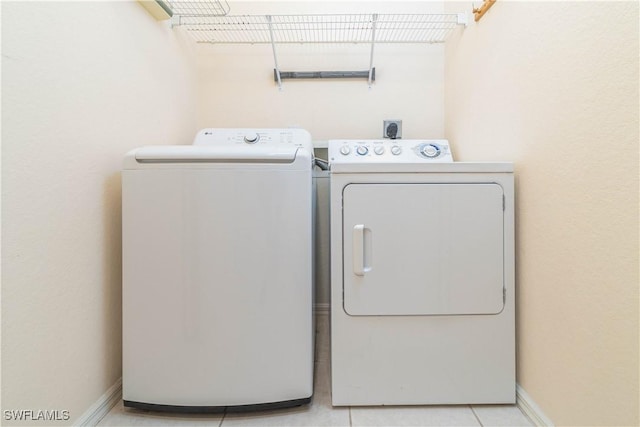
(350, 422)
(224, 414)
(476, 415)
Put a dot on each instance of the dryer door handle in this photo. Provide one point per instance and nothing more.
(361, 251)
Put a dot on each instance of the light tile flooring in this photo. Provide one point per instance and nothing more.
(321, 413)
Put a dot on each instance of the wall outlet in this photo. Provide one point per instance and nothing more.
(392, 129)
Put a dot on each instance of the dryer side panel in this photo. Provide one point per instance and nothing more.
(423, 249)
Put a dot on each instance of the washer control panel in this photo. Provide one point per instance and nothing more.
(389, 151)
(253, 137)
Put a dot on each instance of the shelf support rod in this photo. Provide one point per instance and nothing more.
(373, 43)
(275, 56)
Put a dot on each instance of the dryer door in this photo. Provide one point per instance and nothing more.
(423, 249)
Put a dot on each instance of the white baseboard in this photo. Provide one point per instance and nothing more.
(101, 407)
(321, 308)
(531, 409)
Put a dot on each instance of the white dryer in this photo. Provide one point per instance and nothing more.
(217, 272)
(423, 307)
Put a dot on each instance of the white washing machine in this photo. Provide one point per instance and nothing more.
(217, 272)
(422, 281)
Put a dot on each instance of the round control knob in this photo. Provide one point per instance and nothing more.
(362, 150)
(378, 150)
(345, 150)
(430, 150)
(396, 150)
(251, 138)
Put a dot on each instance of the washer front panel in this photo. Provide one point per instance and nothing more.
(217, 286)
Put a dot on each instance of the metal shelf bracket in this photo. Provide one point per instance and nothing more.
(279, 75)
(463, 19)
(275, 55)
(373, 44)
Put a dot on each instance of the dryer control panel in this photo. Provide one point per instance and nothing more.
(389, 151)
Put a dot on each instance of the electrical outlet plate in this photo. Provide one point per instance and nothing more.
(387, 132)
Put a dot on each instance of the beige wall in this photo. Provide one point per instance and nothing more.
(553, 86)
(237, 87)
(82, 83)
(550, 86)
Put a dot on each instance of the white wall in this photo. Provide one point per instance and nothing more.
(82, 83)
(237, 87)
(553, 87)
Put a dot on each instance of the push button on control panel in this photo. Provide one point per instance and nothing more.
(396, 150)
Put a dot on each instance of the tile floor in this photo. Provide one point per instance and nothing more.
(321, 413)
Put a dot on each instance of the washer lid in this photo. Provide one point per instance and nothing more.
(189, 154)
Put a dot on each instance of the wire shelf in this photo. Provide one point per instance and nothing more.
(198, 8)
(345, 28)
